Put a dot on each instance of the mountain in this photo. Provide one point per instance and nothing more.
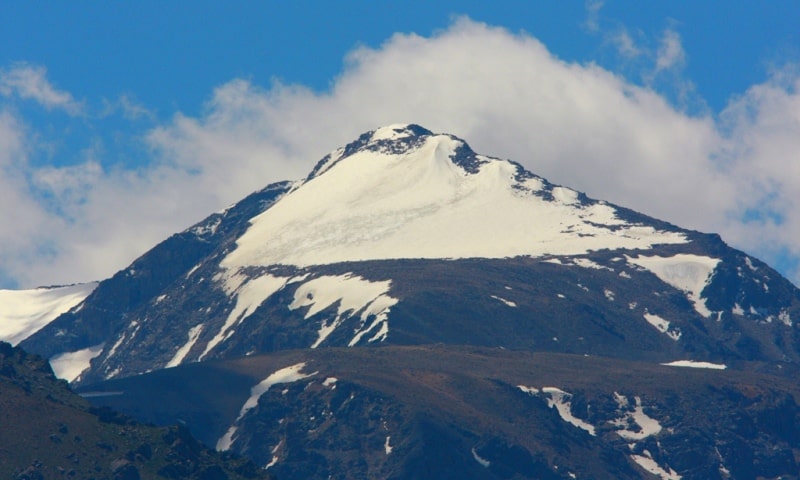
(407, 237)
(49, 432)
(409, 243)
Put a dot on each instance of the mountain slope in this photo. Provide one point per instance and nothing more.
(47, 431)
(408, 237)
(413, 309)
(467, 412)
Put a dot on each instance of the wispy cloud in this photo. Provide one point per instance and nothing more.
(592, 21)
(624, 43)
(30, 82)
(579, 125)
(670, 53)
(128, 107)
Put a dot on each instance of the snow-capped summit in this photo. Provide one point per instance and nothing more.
(403, 192)
(405, 236)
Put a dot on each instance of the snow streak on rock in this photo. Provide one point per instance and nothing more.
(482, 461)
(285, 375)
(662, 326)
(354, 296)
(194, 334)
(250, 294)
(562, 402)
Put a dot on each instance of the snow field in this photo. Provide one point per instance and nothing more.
(25, 312)
(420, 204)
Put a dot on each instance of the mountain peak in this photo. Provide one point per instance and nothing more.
(395, 139)
(398, 131)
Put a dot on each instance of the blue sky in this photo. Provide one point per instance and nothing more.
(121, 123)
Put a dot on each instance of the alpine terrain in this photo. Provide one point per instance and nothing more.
(413, 309)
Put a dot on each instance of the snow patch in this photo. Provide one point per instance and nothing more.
(662, 326)
(646, 462)
(647, 426)
(508, 303)
(561, 401)
(330, 382)
(694, 364)
(565, 195)
(686, 272)
(353, 295)
(586, 263)
(25, 312)
(208, 229)
(285, 375)
(70, 365)
(528, 390)
(749, 264)
(386, 446)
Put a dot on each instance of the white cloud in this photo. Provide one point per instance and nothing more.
(762, 155)
(24, 239)
(578, 125)
(30, 83)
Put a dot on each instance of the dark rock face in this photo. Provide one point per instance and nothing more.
(458, 412)
(556, 307)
